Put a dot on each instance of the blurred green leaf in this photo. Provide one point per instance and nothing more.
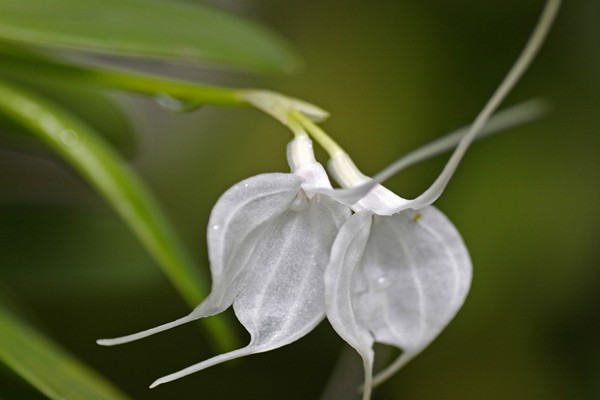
(96, 109)
(82, 148)
(34, 71)
(57, 272)
(48, 367)
(172, 30)
(22, 65)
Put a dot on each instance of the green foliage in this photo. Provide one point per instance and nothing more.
(81, 147)
(170, 30)
(41, 98)
(47, 366)
(32, 67)
(96, 109)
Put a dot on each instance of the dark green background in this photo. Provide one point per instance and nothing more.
(393, 74)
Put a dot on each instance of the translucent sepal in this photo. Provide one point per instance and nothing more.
(268, 245)
(282, 299)
(342, 282)
(235, 226)
(397, 280)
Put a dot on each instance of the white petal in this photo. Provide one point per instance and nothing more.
(281, 299)
(418, 272)
(397, 280)
(381, 201)
(242, 208)
(240, 218)
(343, 282)
(269, 243)
(235, 227)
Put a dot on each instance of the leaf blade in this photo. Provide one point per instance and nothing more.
(27, 66)
(171, 30)
(48, 367)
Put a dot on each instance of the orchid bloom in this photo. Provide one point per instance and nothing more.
(269, 239)
(399, 270)
(394, 277)
(286, 250)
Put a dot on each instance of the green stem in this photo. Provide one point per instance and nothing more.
(153, 86)
(330, 146)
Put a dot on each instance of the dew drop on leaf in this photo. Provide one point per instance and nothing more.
(173, 104)
(69, 138)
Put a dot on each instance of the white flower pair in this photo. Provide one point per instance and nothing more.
(286, 255)
(287, 250)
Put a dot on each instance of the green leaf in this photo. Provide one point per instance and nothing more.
(82, 148)
(96, 109)
(47, 366)
(163, 29)
(15, 63)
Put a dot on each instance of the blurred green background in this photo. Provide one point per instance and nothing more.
(394, 75)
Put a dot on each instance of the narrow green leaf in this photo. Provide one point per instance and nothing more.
(164, 29)
(31, 67)
(82, 148)
(96, 109)
(47, 366)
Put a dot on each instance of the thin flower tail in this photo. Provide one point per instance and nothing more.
(356, 184)
(245, 351)
(146, 333)
(524, 60)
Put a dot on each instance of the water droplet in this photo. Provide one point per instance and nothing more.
(215, 227)
(246, 185)
(173, 104)
(383, 282)
(69, 138)
(49, 124)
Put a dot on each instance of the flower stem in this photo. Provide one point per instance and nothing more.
(330, 146)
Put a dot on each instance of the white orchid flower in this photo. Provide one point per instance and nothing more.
(285, 252)
(399, 270)
(396, 278)
(269, 239)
